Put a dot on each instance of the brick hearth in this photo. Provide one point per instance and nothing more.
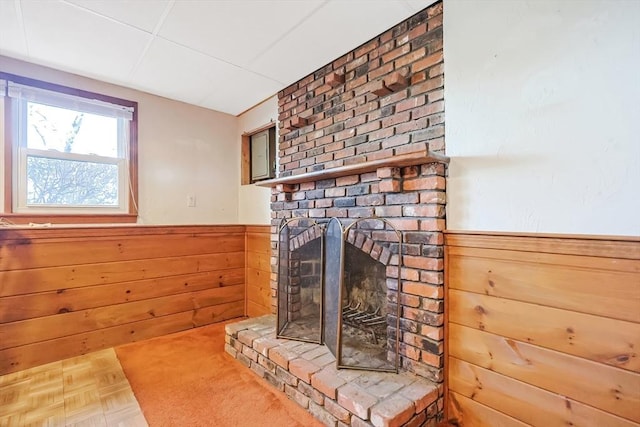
(306, 373)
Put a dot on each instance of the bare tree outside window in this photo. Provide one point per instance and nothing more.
(60, 181)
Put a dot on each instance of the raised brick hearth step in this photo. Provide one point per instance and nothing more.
(306, 372)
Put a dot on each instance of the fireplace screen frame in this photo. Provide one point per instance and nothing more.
(340, 362)
(330, 231)
(282, 313)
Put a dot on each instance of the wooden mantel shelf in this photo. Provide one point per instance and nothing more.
(411, 159)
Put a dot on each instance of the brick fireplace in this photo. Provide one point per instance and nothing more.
(363, 137)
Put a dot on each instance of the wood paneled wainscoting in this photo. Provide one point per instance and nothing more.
(258, 270)
(543, 330)
(70, 291)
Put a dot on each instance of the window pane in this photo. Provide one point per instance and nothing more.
(69, 131)
(71, 182)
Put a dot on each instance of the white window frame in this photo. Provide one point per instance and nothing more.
(20, 95)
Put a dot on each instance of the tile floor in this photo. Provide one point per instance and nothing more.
(89, 390)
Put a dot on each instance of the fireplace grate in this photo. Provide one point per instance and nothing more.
(371, 323)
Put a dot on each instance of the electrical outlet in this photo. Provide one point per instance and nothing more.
(191, 201)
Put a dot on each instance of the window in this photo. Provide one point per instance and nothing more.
(70, 153)
(259, 154)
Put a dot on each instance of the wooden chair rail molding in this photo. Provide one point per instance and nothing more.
(92, 230)
(71, 290)
(542, 329)
(627, 247)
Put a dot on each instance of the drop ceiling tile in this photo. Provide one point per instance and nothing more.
(233, 30)
(179, 73)
(311, 46)
(272, 42)
(141, 14)
(175, 72)
(238, 91)
(70, 39)
(418, 5)
(11, 36)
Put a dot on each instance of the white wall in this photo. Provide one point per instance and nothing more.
(254, 201)
(182, 150)
(543, 115)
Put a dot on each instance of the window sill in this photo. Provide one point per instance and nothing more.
(52, 219)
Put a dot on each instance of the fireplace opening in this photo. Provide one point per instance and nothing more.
(336, 286)
(364, 310)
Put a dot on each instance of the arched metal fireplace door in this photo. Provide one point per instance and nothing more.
(340, 286)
